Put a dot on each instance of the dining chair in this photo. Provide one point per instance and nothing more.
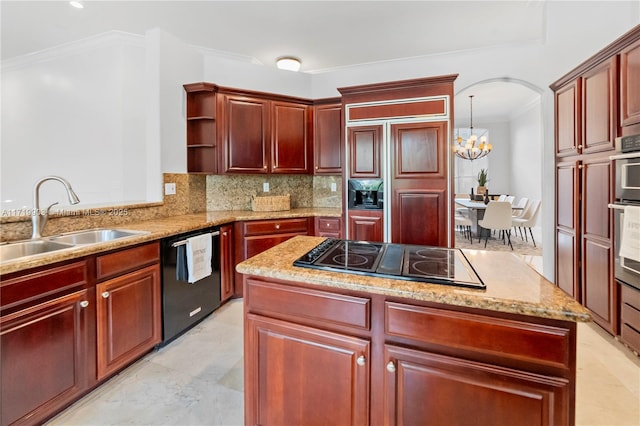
(464, 224)
(501, 197)
(527, 220)
(519, 207)
(509, 199)
(497, 217)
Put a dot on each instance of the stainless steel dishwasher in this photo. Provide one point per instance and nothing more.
(185, 304)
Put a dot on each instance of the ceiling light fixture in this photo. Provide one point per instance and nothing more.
(468, 150)
(77, 4)
(288, 63)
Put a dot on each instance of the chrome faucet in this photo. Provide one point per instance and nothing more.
(38, 218)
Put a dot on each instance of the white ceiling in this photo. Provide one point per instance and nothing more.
(325, 35)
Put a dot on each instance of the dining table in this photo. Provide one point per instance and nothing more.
(476, 211)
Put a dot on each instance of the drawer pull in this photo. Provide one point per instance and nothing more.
(105, 294)
(361, 360)
(84, 304)
(391, 368)
(277, 226)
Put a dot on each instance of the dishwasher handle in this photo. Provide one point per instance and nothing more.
(183, 242)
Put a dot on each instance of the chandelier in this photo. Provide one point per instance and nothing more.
(471, 149)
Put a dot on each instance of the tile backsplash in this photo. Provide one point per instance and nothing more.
(194, 194)
(234, 192)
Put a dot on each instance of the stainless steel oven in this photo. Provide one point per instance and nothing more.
(627, 194)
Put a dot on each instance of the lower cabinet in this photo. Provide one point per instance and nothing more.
(46, 357)
(65, 327)
(302, 375)
(255, 236)
(630, 316)
(317, 357)
(129, 318)
(330, 227)
(365, 225)
(462, 392)
(227, 265)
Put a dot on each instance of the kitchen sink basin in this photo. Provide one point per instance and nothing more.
(26, 248)
(19, 249)
(93, 236)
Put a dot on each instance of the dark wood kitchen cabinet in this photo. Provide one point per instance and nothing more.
(594, 104)
(330, 227)
(202, 145)
(327, 137)
(380, 360)
(47, 341)
(365, 225)
(227, 272)
(630, 316)
(255, 236)
(264, 133)
(304, 375)
(365, 145)
(129, 315)
(630, 89)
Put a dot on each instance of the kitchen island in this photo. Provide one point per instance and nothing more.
(325, 347)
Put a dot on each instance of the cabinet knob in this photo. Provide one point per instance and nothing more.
(328, 225)
(361, 360)
(224, 233)
(277, 226)
(105, 294)
(265, 167)
(391, 368)
(579, 146)
(317, 167)
(84, 304)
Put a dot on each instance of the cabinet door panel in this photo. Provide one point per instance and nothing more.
(598, 108)
(419, 150)
(630, 85)
(45, 357)
(365, 226)
(290, 151)
(419, 217)
(328, 148)
(246, 129)
(429, 389)
(129, 318)
(598, 284)
(364, 151)
(227, 265)
(567, 269)
(567, 111)
(299, 375)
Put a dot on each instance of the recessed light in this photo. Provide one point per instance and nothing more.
(77, 4)
(288, 63)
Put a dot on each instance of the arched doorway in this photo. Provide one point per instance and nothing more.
(509, 113)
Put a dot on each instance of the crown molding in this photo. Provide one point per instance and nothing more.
(77, 47)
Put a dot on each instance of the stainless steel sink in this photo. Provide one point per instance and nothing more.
(93, 236)
(19, 249)
(25, 248)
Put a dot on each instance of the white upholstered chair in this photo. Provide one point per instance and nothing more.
(528, 219)
(497, 217)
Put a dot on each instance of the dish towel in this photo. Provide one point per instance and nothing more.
(199, 257)
(630, 238)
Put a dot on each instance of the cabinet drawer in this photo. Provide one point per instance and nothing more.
(630, 296)
(328, 224)
(260, 227)
(43, 283)
(112, 264)
(494, 337)
(307, 306)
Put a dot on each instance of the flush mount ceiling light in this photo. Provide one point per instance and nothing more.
(468, 149)
(77, 4)
(288, 63)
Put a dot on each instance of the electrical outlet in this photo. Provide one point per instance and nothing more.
(265, 187)
(334, 187)
(169, 189)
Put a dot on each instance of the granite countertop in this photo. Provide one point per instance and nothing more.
(160, 228)
(512, 285)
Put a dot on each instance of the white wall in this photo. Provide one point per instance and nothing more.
(75, 112)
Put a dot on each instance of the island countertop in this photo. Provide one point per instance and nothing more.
(512, 286)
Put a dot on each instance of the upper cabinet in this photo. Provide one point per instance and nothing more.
(365, 144)
(630, 86)
(599, 109)
(327, 137)
(237, 131)
(201, 128)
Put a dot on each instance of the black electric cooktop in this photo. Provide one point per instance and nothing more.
(437, 265)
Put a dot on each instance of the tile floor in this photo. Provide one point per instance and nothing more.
(197, 380)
